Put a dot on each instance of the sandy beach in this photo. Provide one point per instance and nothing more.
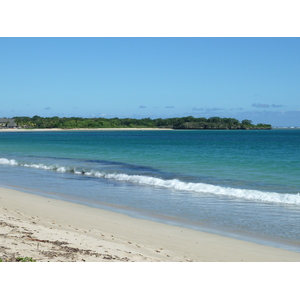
(52, 230)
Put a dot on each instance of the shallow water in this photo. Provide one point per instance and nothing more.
(238, 183)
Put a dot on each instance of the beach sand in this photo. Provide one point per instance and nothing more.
(46, 229)
(81, 129)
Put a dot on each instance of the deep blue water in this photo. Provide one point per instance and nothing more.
(238, 183)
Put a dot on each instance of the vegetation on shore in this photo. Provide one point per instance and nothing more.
(18, 259)
(174, 123)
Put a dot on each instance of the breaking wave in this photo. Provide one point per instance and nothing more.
(170, 183)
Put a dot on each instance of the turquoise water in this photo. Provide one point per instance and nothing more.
(243, 184)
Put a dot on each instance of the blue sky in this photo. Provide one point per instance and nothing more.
(244, 78)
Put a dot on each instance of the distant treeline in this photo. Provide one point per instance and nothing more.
(175, 123)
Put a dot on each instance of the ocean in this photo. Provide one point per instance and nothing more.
(238, 183)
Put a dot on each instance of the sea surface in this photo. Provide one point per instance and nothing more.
(243, 184)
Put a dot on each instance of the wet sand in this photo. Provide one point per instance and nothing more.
(46, 229)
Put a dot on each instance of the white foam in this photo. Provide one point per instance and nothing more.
(5, 161)
(207, 188)
(172, 183)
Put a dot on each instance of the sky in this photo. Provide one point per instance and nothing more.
(255, 78)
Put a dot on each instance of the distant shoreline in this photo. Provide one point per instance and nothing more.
(125, 129)
(133, 129)
(81, 129)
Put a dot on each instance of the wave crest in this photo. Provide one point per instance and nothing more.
(170, 183)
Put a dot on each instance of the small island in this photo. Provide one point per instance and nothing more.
(187, 123)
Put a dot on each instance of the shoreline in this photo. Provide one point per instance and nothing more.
(48, 229)
(127, 129)
(83, 129)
